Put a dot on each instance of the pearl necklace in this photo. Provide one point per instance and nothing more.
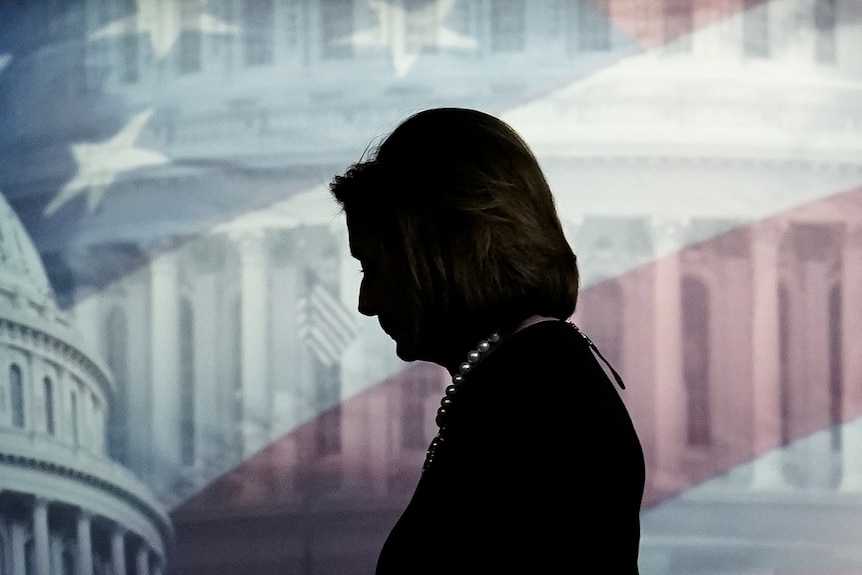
(473, 357)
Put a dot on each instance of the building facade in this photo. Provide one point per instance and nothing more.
(65, 507)
(689, 145)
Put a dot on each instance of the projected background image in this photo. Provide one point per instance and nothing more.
(186, 386)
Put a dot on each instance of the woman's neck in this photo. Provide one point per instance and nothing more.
(530, 321)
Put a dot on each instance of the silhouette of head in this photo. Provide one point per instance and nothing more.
(456, 229)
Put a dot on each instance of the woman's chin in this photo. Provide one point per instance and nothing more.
(405, 351)
(416, 353)
(410, 350)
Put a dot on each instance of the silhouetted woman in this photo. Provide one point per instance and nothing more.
(536, 467)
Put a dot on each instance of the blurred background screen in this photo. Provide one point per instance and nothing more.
(185, 384)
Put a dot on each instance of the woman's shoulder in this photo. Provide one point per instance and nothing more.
(550, 370)
(545, 347)
(540, 336)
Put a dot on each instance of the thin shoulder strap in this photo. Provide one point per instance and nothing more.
(598, 353)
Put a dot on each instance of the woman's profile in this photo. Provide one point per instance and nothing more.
(536, 466)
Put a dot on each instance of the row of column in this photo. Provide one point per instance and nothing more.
(768, 468)
(255, 395)
(48, 551)
(769, 462)
(227, 407)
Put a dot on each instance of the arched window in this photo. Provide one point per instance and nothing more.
(508, 25)
(29, 556)
(784, 398)
(236, 399)
(755, 29)
(677, 20)
(695, 360)
(602, 320)
(327, 385)
(589, 27)
(130, 57)
(189, 42)
(16, 394)
(73, 414)
(336, 23)
(49, 405)
(259, 31)
(836, 387)
(95, 425)
(116, 354)
(67, 561)
(420, 26)
(824, 30)
(189, 53)
(187, 383)
(422, 382)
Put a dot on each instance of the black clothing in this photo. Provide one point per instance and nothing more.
(540, 470)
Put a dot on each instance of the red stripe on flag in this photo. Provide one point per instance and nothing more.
(655, 23)
(707, 392)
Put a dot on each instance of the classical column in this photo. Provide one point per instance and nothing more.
(765, 360)
(41, 541)
(84, 557)
(851, 355)
(255, 381)
(289, 399)
(139, 382)
(118, 551)
(19, 548)
(142, 560)
(670, 402)
(56, 554)
(164, 345)
(207, 336)
(848, 36)
(380, 442)
(816, 455)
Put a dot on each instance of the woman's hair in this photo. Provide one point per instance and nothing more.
(458, 198)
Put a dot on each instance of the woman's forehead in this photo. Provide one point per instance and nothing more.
(363, 243)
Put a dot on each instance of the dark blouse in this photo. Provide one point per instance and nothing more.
(540, 471)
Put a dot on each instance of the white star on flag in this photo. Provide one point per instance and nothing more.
(407, 32)
(164, 22)
(99, 164)
(4, 59)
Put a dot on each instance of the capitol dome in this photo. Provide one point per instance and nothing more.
(26, 294)
(63, 502)
(22, 271)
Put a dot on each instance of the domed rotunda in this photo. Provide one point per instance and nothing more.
(65, 507)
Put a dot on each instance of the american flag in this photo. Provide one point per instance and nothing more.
(169, 158)
(326, 325)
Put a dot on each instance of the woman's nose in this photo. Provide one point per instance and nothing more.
(367, 300)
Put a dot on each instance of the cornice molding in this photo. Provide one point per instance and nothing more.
(22, 334)
(133, 493)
